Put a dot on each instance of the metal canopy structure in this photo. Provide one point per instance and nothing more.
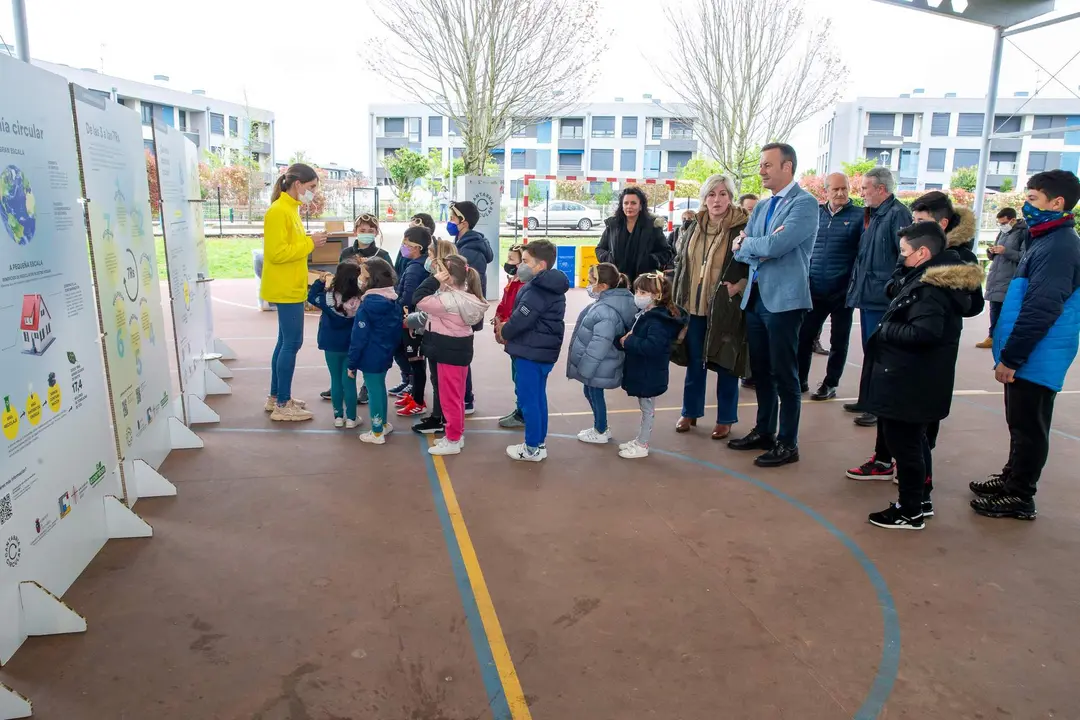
(1005, 17)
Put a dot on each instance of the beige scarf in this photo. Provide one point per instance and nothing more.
(707, 254)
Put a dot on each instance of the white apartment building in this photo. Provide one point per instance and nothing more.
(623, 140)
(924, 140)
(224, 128)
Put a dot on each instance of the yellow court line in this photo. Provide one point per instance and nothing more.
(515, 696)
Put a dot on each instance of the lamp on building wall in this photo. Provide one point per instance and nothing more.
(884, 157)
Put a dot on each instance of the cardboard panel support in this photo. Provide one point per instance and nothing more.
(182, 437)
(150, 482)
(215, 385)
(13, 705)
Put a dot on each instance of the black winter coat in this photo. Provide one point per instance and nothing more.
(476, 250)
(648, 352)
(835, 249)
(910, 364)
(876, 259)
(537, 325)
(643, 251)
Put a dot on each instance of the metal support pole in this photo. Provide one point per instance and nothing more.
(22, 34)
(219, 228)
(988, 125)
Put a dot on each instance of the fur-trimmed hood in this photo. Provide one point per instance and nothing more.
(964, 231)
(961, 277)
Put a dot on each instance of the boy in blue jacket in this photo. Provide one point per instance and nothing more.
(533, 337)
(1035, 342)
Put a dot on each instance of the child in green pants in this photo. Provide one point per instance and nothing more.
(338, 302)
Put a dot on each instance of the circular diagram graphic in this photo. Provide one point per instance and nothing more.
(17, 205)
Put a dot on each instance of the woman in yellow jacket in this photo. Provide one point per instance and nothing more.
(284, 282)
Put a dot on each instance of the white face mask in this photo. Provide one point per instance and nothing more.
(591, 290)
(643, 302)
(306, 197)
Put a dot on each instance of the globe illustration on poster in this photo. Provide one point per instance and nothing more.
(17, 205)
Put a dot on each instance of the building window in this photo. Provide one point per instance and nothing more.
(964, 159)
(454, 129)
(515, 188)
(939, 126)
(394, 127)
(414, 130)
(933, 186)
(629, 127)
(183, 120)
(676, 159)
(1007, 124)
(657, 133)
(908, 129)
(147, 114)
(571, 129)
(603, 126)
(234, 127)
(628, 161)
(652, 161)
(217, 124)
(457, 153)
(1002, 163)
(517, 160)
(569, 162)
(602, 160)
(597, 186)
(434, 126)
(909, 163)
(682, 129)
(1045, 122)
(881, 124)
(969, 125)
(935, 160)
(1036, 162)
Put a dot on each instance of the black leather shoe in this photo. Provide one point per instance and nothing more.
(866, 420)
(804, 388)
(825, 392)
(780, 454)
(852, 408)
(753, 441)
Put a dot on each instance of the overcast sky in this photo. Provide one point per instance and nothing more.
(301, 59)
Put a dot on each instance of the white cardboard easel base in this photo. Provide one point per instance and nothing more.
(150, 483)
(13, 705)
(199, 413)
(226, 352)
(45, 614)
(122, 522)
(218, 368)
(215, 385)
(181, 436)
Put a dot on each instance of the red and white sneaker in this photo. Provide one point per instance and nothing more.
(403, 400)
(412, 409)
(873, 470)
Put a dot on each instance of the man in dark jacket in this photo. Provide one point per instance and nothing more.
(874, 264)
(1004, 258)
(910, 362)
(533, 337)
(839, 230)
(476, 250)
(1035, 342)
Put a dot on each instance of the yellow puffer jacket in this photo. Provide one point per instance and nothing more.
(285, 252)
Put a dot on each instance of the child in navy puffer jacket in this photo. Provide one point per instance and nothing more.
(338, 304)
(376, 335)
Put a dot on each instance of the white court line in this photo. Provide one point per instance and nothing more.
(236, 304)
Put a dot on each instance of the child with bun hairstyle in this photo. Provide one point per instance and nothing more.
(375, 336)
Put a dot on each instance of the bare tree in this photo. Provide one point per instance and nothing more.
(491, 66)
(751, 72)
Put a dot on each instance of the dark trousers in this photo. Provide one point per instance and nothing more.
(882, 453)
(908, 444)
(433, 375)
(401, 359)
(839, 335)
(1029, 408)
(468, 387)
(418, 375)
(774, 343)
(995, 313)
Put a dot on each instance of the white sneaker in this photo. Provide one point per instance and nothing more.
(387, 428)
(519, 452)
(352, 424)
(290, 412)
(594, 436)
(372, 438)
(339, 422)
(445, 447)
(634, 450)
(623, 446)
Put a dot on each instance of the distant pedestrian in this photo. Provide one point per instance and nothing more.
(1004, 257)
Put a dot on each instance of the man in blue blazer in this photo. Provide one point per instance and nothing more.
(777, 243)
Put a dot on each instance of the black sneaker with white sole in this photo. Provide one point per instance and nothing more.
(928, 508)
(362, 396)
(1005, 506)
(325, 394)
(402, 388)
(891, 518)
(429, 426)
(991, 486)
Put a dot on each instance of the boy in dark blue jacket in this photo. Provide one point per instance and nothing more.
(1035, 342)
(414, 248)
(533, 336)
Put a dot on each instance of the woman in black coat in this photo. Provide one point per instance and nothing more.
(633, 240)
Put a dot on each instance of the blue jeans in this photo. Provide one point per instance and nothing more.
(290, 339)
(995, 313)
(531, 387)
(868, 322)
(774, 343)
(727, 385)
(598, 403)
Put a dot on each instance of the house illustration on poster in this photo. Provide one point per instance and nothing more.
(35, 322)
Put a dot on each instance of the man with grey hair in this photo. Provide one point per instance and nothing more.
(883, 218)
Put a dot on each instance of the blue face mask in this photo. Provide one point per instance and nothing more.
(452, 229)
(427, 265)
(1035, 216)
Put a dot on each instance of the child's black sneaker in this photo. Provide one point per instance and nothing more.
(1005, 506)
(362, 397)
(430, 425)
(993, 485)
(512, 420)
(928, 508)
(325, 394)
(892, 519)
(469, 408)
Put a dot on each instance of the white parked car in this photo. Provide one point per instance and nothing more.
(564, 214)
(681, 204)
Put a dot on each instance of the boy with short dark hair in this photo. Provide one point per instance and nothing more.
(1035, 342)
(533, 336)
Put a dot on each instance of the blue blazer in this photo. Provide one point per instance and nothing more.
(781, 260)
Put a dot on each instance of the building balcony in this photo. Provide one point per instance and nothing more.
(995, 180)
(679, 144)
(260, 147)
(1001, 168)
(571, 144)
(889, 141)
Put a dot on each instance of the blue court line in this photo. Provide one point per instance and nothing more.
(887, 670)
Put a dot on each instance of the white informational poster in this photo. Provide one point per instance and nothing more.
(185, 253)
(202, 257)
(485, 193)
(125, 267)
(57, 452)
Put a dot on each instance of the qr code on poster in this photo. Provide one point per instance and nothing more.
(5, 508)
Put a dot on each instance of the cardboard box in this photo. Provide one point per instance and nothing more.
(328, 253)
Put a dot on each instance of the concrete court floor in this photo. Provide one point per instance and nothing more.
(299, 575)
